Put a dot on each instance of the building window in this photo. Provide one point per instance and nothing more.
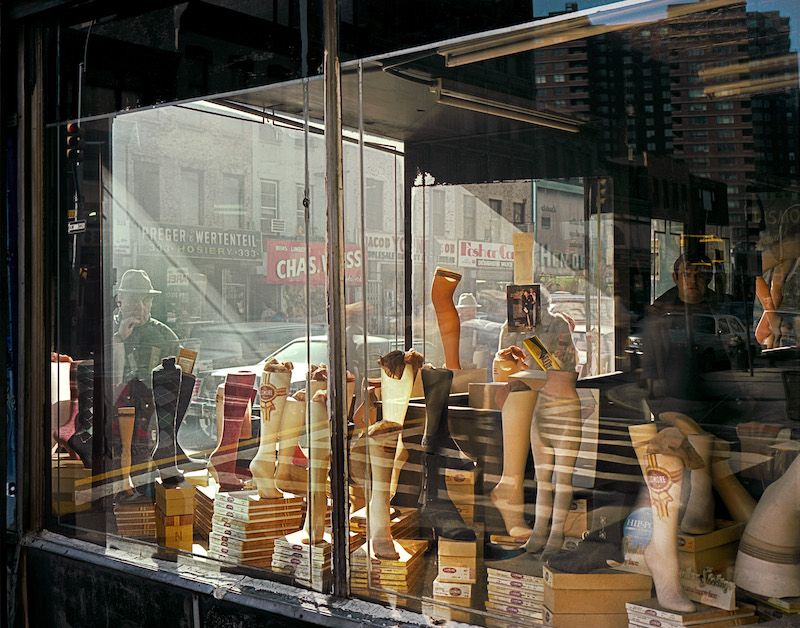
(468, 228)
(518, 213)
(268, 205)
(230, 209)
(147, 188)
(436, 212)
(191, 196)
(373, 204)
(545, 222)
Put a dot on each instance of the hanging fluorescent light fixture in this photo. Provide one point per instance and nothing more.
(461, 100)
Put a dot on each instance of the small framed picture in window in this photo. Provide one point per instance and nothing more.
(524, 304)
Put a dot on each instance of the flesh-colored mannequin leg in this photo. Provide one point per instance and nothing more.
(507, 496)
(398, 372)
(318, 462)
(127, 419)
(288, 477)
(737, 500)
(442, 290)
(698, 518)
(663, 475)
(274, 388)
(555, 441)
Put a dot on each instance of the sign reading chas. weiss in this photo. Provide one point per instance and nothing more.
(205, 242)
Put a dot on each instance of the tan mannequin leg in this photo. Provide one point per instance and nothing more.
(507, 496)
(319, 462)
(555, 441)
(399, 370)
(663, 475)
(127, 418)
(288, 477)
(274, 388)
(737, 500)
(698, 518)
(442, 290)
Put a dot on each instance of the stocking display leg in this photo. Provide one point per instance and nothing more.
(698, 517)
(438, 511)
(184, 399)
(663, 475)
(507, 496)
(398, 372)
(273, 391)
(166, 388)
(237, 396)
(319, 462)
(737, 500)
(442, 290)
(81, 440)
(127, 421)
(555, 441)
(62, 420)
(768, 562)
(290, 478)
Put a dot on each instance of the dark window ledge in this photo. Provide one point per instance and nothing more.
(205, 578)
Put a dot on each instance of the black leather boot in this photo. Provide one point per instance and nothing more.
(438, 511)
(81, 441)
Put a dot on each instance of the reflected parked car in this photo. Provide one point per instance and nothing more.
(720, 340)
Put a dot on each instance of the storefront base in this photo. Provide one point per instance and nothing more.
(71, 583)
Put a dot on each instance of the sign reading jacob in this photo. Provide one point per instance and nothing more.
(205, 242)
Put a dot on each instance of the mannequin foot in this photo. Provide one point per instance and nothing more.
(594, 552)
(81, 444)
(268, 493)
(442, 516)
(511, 510)
(665, 572)
(383, 547)
(291, 479)
(535, 544)
(697, 520)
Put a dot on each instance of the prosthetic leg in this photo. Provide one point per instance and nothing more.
(273, 391)
(438, 511)
(663, 474)
(442, 290)
(397, 380)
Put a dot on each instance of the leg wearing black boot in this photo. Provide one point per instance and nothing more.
(438, 511)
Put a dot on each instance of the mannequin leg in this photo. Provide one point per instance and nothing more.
(398, 373)
(274, 389)
(698, 518)
(438, 510)
(737, 500)
(237, 395)
(442, 290)
(184, 399)
(166, 388)
(507, 496)
(288, 477)
(318, 461)
(127, 419)
(663, 475)
(555, 441)
(81, 441)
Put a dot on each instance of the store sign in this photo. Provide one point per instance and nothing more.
(201, 242)
(447, 251)
(472, 254)
(385, 247)
(286, 263)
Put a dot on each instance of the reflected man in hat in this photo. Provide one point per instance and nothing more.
(145, 339)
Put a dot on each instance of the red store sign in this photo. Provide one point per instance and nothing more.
(285, 262)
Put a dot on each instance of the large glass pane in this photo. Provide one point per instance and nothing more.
(598, 208)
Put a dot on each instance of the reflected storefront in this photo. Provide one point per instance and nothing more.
(567, 265)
